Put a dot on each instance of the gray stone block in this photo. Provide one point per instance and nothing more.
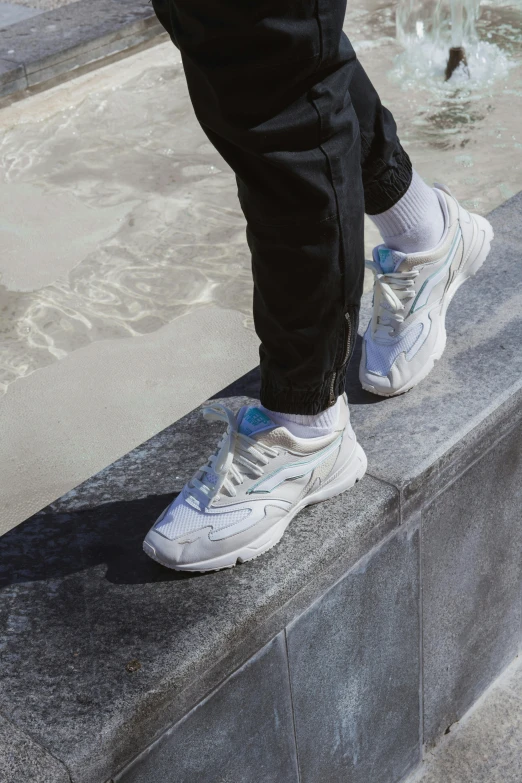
(23, 761)
(80, 601)
(472, 583)
(242, 732)
(412, 439)
(129, 37)
(355, 673)
(12, 77)
(76, 34)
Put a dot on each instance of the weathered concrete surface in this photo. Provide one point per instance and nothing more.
(23, 760)
(11, 13)
(12, 76)
(472, 583)
(243, 732)
(355, 671)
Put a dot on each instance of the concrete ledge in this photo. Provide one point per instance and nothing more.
(344, 652)
(38, 50)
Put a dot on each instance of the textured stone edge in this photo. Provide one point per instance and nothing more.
(276, 645)
(156, 716)
(492, 426)
(22, 758)
(92, 50)
(159, 709)
(501, 421)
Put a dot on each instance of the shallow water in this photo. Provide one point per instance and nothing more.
(127, 158)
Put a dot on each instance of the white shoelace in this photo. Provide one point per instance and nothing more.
(392, 290)
(223, 468)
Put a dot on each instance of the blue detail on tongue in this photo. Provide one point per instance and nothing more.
(387, 259)
(254, 420)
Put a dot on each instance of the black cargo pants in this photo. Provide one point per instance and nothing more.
(278, 90)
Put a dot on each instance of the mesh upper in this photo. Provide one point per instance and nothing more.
(183, 517)
(380, 357)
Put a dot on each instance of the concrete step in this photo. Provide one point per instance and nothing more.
(343, 654)
(38, 53)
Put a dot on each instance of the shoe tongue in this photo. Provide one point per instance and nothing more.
(252, 420)
(389, 260)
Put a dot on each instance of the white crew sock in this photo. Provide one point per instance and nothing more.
(415, 223)
(307, 426)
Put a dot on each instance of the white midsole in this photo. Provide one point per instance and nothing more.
(352, 472)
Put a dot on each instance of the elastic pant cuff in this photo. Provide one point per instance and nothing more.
(385, 188)
(306, 402)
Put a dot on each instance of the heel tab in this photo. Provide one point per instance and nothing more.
(444, 188)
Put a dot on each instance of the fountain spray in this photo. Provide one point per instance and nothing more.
(457, 53)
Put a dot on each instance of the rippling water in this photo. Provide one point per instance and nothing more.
(180, 246)
(135, 147)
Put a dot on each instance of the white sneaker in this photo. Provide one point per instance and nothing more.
(240, 503)
(412, 292)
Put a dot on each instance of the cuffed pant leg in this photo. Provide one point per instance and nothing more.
(386, 167)
(270, 85)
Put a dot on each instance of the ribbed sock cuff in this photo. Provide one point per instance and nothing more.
(303, 426)
(409, 211)
(415, 222)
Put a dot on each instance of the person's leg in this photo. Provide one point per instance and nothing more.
(270, 85)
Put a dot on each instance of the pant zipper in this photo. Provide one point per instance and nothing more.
(348, 338)
(345, 359)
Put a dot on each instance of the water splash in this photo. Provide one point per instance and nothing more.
(430, 21)
(428, 28)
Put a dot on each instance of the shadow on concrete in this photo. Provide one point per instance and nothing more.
(51, 545)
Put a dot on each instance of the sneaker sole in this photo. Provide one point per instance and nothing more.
(352, 473)
(470, 270)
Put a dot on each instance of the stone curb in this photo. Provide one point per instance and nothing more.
(344, 653)
(45, 49)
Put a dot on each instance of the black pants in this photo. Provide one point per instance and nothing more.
(278, 90)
